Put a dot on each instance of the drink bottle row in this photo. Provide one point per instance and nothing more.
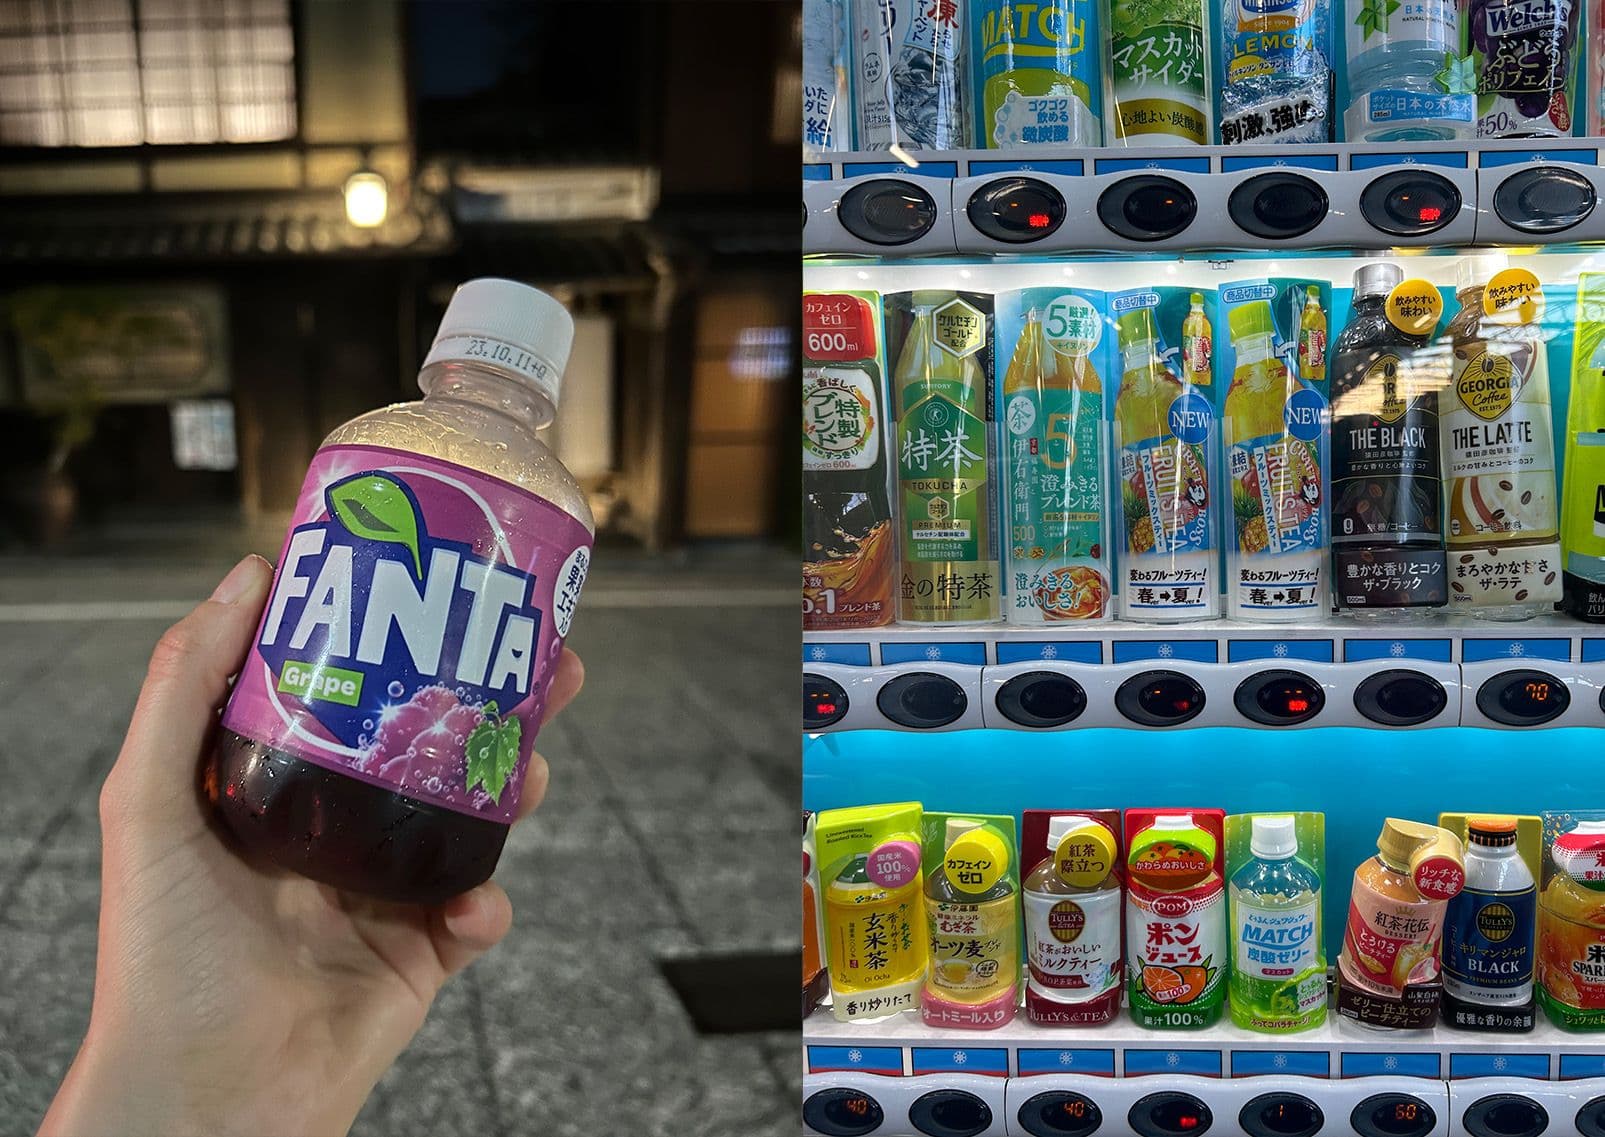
(1395, 473)
(1479, 918)
(954, 74)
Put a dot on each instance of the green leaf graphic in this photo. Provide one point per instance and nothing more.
(481, 753)
(1459, 76)
(507, 740)
(376, 508)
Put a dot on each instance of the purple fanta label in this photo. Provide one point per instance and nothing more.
(414, 625)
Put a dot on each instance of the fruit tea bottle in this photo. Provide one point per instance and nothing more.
(1312, 337)
(1388, 971)
(1489, 932)
(972, 908)
(1053, 475)
(1571, 922)
(1039, 75)
(378, 734)
(1175, 919)
(1387, 501)
(1278, 980)
(1073, 923)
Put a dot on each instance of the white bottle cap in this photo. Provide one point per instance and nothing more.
(956, 828)
(511, 326)
(1062, 825)
(1273, 838)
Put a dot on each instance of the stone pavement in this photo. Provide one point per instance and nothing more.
(670, 829)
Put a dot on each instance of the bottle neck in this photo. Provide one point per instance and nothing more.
(1254, 349)
(489, 388)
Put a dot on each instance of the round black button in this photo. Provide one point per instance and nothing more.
(1393, 1115)
(1545, 199)
(950, 1113)
(887, 211)
(1523, 698)
(1410, 203)
(824, 701)
(1041, 699)
(842, 1112)
(1169, 1114)
(1016, 210)
(1147, 208)
(1281, 1115)
(1277, 206)
(1279, 698)
(1060, 1113)
(922, 700)
(1591, 1119)
(1400, 697)
(1159, 698)
(1505, 1115)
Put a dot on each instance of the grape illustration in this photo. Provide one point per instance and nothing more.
(444, 747)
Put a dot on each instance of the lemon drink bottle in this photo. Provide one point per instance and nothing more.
(1175, 925)
(1571, 928)
(1040, 73)
(1272, 427)
(1278, 978)
(949, 560)
(972, 907)
(1162, 427)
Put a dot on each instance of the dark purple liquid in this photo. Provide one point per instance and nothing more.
(344, 832)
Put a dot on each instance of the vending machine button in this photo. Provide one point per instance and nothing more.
(1041, 699)
(1505, 1115)
(1410, 203)
(1281, 1115)
(922, 701)
(1523, 698)
(950, 1113)
(1016, 210)
(1277, 206)
(843, 1112)
(887, 211)
(1169, 1114)
(824, 702)
(1400, 697)
(1159, 698)
(1279, 698)
(1148, 207)
(1060, 1113)
(1544, 199)
(1393, 1115)
(1591, 1119)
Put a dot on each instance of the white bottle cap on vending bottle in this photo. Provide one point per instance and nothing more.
(510, 326)
(1273, 838)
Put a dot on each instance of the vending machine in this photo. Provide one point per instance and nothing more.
(1155, 480)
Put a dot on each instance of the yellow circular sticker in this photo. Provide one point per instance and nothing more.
(1515, 294)
(1414, 307)
(976, 861)
(1085, 855)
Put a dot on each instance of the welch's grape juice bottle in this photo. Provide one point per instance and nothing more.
(378, 733)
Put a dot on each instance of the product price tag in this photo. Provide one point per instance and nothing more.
(1414, 307)
(1514, 294)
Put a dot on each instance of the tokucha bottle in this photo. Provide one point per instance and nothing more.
(1278, 980)
(378, 733)
(1489, 931)
(1073, 925)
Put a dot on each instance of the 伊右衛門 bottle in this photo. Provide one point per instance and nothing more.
(378, 733)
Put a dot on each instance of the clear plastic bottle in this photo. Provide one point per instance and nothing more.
(1275, 77)
(974, 974)
(1278, 979)
(378, 734)
(1402, 87)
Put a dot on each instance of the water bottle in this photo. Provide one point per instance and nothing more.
(1405, 81)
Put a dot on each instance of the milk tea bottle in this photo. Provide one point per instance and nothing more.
(379, 731)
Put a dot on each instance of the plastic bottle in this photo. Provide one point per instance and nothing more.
(1571, 930)
(910, 86)
(1387, 499)
(1312, 338)
(1175, 925)
(974, 975)
(1405, 84)
(1522, 58)
(825, 46)
(1276, 480)
(1583, 477)
(1499, 456)
(1072, 926)
(1197, 344)
(1054, 538)
(1489, 930)
(1039, 74)
(378, 733)
(1388, 971)
(1276, 72)
(873, 939)
(1278, 979)
(1158, 73)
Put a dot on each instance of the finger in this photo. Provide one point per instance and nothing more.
(467, 926)
(566, 683)
(536, 779)
(185, 684)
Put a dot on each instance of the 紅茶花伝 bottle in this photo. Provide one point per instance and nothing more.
(379, 731)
